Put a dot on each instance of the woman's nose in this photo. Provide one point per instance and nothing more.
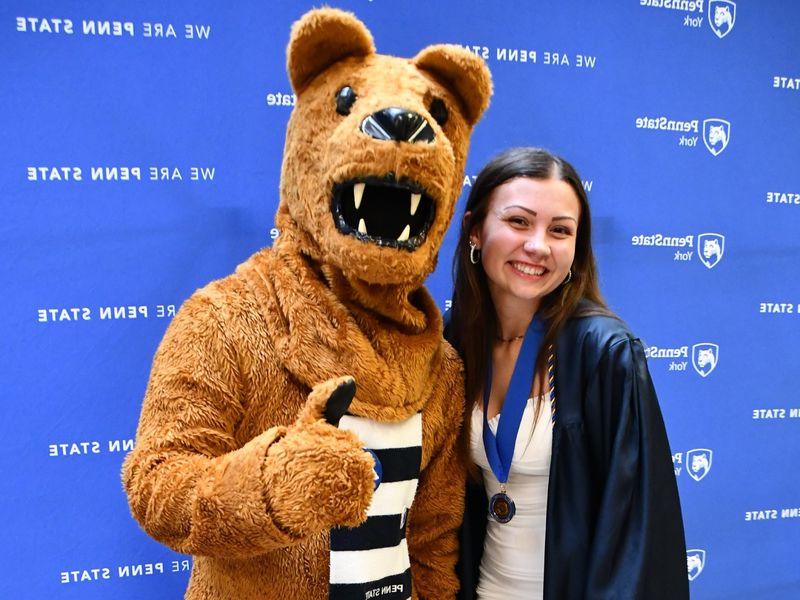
(537, 244)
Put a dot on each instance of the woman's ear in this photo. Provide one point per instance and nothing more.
(475, 230)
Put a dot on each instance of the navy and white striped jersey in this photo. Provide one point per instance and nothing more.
(370, 562)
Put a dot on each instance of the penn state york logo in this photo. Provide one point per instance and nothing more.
(704, 358)
(710, 248)
(716, 135)
(698, 463)
(721, 16)
(695, 561)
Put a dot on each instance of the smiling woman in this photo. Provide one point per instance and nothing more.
(523, 213)
(573, 493)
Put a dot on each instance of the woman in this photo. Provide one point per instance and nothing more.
(573, 493)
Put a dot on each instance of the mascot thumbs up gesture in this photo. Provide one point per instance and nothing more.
(299, 430)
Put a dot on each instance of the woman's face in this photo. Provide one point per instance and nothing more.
(527, 239)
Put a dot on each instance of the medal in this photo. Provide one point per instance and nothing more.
(501, 507)
(500, 448)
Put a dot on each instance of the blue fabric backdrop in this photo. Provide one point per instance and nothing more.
(140, 159)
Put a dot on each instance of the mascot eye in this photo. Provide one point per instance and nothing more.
(345, 98)
(438, 111)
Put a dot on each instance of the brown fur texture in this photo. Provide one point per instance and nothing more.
(232, 462)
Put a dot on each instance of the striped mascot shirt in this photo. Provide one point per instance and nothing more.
(370, 562)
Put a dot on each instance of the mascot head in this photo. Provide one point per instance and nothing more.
(375, 149)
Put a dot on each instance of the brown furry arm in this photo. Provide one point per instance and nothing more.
(188, 483)
(191, 485)
(439, 504)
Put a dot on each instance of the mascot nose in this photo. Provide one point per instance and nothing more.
(399, 125)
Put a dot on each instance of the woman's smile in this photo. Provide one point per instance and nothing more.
(529, 271)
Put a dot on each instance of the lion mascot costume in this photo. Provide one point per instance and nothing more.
(299, 431)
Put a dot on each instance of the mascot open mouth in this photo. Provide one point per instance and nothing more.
(383, 211)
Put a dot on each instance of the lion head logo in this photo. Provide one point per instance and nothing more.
(698, 463)
(705, 357)
(721, 16)
(711, 247)
(695, 562)
(716, 135)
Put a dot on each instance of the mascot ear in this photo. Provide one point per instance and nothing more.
(461, 72)
(321, 38)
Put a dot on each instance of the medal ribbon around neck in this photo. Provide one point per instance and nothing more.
(500, 448)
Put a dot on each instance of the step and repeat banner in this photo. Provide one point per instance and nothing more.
(141, 156)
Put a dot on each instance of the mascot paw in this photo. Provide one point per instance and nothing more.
(319, 477)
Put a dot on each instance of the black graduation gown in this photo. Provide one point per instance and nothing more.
(614, 526)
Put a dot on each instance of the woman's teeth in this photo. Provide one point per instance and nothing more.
(528, 269)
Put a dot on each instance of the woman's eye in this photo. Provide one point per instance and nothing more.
(345, 98)
(518, 221)
(562, 230)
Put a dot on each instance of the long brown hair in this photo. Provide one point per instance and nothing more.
(473, 321)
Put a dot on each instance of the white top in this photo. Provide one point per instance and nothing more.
(513, 553)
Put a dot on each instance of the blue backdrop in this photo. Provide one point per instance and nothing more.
(140, 159)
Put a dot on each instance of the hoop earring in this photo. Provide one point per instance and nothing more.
(472, 256)
(569, 277)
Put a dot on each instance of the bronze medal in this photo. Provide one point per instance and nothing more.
(501, 507)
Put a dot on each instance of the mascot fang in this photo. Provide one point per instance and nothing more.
(299, 431)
